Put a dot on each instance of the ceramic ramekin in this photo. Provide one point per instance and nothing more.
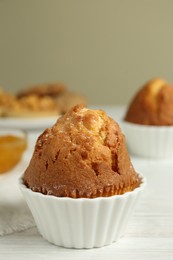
(149, 141)
(81, 223)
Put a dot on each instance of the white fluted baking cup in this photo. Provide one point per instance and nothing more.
(149, 141)
(83, 222)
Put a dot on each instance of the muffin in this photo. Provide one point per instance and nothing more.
(80, 170)
(152, 105)
(148, 122)
(83, 155)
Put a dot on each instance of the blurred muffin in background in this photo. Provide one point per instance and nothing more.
(148, 122)
(58, 92)
(152, 105)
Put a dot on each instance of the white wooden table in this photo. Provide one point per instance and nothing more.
(149, 234)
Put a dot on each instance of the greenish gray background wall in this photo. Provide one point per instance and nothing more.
(104, 49)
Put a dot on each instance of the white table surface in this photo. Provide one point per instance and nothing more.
(149, 234)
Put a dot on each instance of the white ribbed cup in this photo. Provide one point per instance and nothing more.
(81, 223)
(149, 141)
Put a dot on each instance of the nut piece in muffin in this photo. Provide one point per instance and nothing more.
(152, 105)
(83, 155)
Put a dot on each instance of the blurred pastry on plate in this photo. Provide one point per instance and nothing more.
(47, 89)
(42, 100)
(33, 106)
(59, 92)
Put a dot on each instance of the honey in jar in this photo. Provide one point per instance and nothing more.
(11, 150)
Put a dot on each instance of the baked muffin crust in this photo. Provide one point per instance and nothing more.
(83, 155)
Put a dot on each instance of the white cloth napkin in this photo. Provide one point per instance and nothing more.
(14, 212)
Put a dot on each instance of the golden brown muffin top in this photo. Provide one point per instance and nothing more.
(152, 105)
(83, 155)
